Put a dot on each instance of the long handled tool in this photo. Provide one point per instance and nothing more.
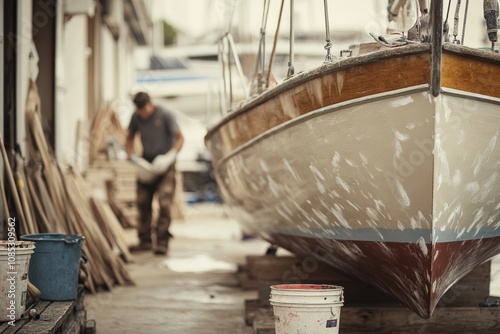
(12, 183)
(32, 290)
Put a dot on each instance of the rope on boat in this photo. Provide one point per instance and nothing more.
(328, 46)
(291, 70)
(275, 44)
(262, 45)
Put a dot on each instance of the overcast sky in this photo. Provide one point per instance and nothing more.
(198, 17)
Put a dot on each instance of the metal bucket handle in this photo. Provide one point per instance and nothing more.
(77, 242)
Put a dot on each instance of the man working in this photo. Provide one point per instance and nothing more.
(160, 136)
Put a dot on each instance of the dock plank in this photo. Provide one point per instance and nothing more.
(50, 319)
(61, 317)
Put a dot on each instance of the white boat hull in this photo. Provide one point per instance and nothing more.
(389, 173)
(356, 164)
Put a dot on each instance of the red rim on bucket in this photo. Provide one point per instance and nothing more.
(306, 287)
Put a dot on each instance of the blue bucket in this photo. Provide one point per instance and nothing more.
(55, 265)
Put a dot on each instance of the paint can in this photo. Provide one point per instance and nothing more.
(14, 265)
(307, 308)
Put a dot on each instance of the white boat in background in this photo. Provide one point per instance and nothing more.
(384, 163)
(168, 77)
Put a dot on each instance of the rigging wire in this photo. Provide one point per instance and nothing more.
(230, 74)
(291, 70)
(328, 45)
(465, 20)
(263, 26)
(222, 97)
(237, 63)
(418, 22)
(228, 54)
(456, 22)
(231, 16)
(448, 12)
(261, 54)
(446, 28)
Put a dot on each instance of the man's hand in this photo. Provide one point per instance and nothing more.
(163, 162)
(134, 158)
(145, 171)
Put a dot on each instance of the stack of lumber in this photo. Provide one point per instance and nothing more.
(117, 179)
(50, 199)
(106, 130)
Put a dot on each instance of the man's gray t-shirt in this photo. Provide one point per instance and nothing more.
(156, 132)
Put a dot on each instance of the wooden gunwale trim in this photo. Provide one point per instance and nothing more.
(333, 85)
(471, 70)
(316, 113)
(483, 55)
(301, 78)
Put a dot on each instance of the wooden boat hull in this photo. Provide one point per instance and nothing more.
(375, 177)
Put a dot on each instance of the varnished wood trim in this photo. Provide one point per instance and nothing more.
(472, 71)
(336, 85)
(319, 112)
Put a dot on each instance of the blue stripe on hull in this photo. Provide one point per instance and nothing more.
(390, 235)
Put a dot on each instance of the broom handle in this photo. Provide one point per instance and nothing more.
(4, 200)
(10, 176)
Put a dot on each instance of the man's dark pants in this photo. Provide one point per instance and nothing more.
(165, 189)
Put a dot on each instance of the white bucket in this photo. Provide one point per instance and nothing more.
(306, 308)
(14, 265)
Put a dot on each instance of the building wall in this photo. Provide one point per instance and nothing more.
(74, 91)
(44, 25)
(2, 112)
(68, 83)
(1, 71)
(108, 69)
(24, 67)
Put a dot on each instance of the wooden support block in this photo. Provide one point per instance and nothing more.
(269, 270)
(245, 282)
(376, 319)
(254, 308)
(90, 327)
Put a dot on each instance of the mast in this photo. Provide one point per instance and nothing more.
(436, 45)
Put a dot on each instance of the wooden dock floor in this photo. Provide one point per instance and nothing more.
(55, 317)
